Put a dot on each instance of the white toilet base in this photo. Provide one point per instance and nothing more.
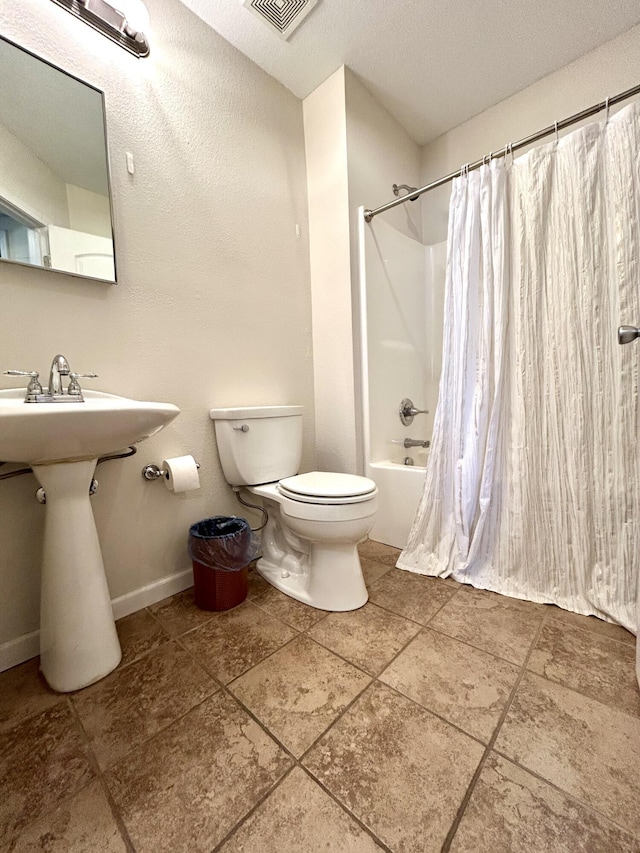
(333, 582)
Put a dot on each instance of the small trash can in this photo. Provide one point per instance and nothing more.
(221, 548)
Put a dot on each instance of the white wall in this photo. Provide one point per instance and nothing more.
(356, 151)
(606, 71)
(327, 180)
(212, 306)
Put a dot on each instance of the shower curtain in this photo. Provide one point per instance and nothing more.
(533, 480)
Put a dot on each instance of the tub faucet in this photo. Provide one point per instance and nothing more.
(59, 367)
(416, 442)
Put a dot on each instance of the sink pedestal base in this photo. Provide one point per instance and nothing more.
(78, 639)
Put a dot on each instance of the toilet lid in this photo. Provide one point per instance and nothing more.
(327, 488)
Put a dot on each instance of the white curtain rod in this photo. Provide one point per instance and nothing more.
(502, 152)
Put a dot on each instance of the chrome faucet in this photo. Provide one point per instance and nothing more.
(59, 367)
(415, 442)
(55, 393)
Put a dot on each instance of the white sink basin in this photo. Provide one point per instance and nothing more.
(41, 433)
(78, 639)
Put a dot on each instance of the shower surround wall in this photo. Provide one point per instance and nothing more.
(356, 151)
(402, 298)
(213, 301)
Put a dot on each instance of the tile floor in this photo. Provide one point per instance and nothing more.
(437, 717)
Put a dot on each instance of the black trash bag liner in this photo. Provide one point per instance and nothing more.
(223, 542)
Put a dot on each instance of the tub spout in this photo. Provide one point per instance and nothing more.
(416, 442)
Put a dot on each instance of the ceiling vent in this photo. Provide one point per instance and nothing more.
(283, 16)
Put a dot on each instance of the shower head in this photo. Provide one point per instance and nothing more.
(398, 187)
(626, 334)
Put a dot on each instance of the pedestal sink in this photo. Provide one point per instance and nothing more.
(78, 640)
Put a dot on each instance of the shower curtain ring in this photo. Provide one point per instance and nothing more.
(555, 124)
(508, 149)
(606, 111)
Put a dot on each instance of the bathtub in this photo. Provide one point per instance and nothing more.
(399, 491)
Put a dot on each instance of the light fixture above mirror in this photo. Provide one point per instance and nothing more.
(124, 25)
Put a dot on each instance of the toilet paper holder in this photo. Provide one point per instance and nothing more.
(154, 472)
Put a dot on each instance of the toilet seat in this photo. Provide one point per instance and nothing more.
(325, 487)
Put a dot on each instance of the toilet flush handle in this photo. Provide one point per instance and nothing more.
(243, 428)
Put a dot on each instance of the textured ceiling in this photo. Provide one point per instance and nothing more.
(432, 63)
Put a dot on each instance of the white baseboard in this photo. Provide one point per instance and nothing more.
(156, 591)
(19, 650)
(27, 646)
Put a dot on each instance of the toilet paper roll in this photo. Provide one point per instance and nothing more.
(181, 474)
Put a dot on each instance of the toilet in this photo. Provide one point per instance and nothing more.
(315, 520)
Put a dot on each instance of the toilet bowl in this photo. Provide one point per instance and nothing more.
(315, 520)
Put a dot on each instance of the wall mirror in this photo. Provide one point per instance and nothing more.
(55, 201)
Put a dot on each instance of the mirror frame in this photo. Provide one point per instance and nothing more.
(108, 168)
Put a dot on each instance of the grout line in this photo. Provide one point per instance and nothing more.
(235, 678)
(485, 651)
(562, 625)
(568, 794)
(224, 688)
(254, 809)
(347, 811)
(548, 619)
(341, 714)
(133, 747)
(608, 705)
(408, 618)
(178, 641)
(465, 800)
(372, 675)
(296, 762)
(99, 776)
(430, 711)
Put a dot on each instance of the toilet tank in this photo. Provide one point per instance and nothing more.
(258, 444)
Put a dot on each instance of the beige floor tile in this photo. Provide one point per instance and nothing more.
(299, 691)
(139, 633)
(185, 789)
(591, 623)
(586, 748)
(42, 761)
(236, 640)
(503, 626)
(257, 584)
(299, 817)
(466, 686)
(380, 553)
(296, 614)
(399, 769)
(590, 663)
(179, 613)
(23, 693)
(84, 824)
(511, 811)
(372, 570)
(368, 637)
(413, 596)
(134, 703)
